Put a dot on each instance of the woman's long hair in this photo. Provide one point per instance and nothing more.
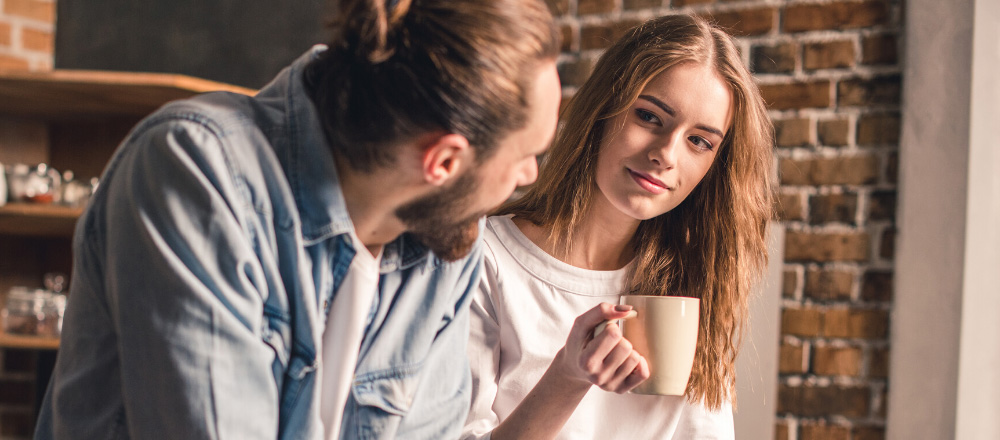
(712, 245)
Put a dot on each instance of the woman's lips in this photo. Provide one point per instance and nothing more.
(647, 182)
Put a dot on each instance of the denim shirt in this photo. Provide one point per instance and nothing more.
(202, 274)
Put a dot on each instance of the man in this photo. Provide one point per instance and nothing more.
(298, 264)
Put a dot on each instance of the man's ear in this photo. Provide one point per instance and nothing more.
(445, 157)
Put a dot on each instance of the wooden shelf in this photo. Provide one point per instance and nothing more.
(38, 220)
(75, 94)
(28, 342)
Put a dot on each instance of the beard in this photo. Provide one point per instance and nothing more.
(440, 222)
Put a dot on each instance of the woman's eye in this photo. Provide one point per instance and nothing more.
(646, 116)
(700, 142)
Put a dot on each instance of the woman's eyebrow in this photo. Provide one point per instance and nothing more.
(670, 111)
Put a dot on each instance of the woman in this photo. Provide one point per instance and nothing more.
(658, 184)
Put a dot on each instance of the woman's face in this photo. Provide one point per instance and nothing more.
(657, 151)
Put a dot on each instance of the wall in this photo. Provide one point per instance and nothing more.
(243, 42)
(26, 43)
(830, 72)
(946, 338)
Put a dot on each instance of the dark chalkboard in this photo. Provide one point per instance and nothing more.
(243, 42)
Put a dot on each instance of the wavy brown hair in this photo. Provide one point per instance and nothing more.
(712, 245)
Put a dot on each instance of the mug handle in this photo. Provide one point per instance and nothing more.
(604, 324)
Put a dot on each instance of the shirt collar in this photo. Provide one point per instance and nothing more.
(312, 173)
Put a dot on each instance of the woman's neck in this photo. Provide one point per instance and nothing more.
(602, 240)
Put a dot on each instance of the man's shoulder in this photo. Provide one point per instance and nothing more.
(224, 113)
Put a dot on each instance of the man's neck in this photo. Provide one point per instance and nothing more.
(371, 204)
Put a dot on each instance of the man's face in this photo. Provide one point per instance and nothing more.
(446, 221)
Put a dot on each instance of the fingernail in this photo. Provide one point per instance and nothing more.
(623, 308)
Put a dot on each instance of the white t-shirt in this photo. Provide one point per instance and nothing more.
(521, 316)
(345, 325)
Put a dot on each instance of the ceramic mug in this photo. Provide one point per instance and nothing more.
(664, 330)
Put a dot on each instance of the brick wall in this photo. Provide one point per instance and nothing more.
(830, 72)
(26, 34)
(26, 43)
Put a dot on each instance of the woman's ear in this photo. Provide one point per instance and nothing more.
(446, 157)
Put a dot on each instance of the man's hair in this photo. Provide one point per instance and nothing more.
(398, 69)
(712, 245)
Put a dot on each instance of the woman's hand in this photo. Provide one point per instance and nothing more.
(606, 360)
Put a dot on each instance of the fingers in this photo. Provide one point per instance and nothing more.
(634, 377)
(584, 324)
(610, 359)
(618, 381)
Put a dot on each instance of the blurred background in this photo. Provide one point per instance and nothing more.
(878, 319)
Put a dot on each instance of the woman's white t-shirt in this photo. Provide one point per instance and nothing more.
(521, 316)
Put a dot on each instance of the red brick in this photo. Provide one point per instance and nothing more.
(790, 207)
(781, 430)
(825, 247)
(883, 90)
(801, 322)
(779, 58)
(879, 49)
(825, 285)
(575, 73)
(878, 129)
(851, 170)
(835, 15)
(789, 282)
(641, 4)
(745, 22)
(19, 361)
(855, 323)
(833, 208)
(834, 132)
(601, 36)
(892, 168)
(33, 9)
(792, 132)
(879, 367)
(809, 431)
(877, 286)
(679, 3)
(36, 40)
(586, 7)
(882, 205)
(13, 63)
(568, 42)
(828, 55)
(5, 34)
(836, 361)
(869, 433)
(16, 392)
(880, 409)
(17, 424)
(558, 7)
(810, 401)
(791, 359)
(887, 245)
(797, 95)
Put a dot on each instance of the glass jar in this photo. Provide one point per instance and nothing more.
(33, 312)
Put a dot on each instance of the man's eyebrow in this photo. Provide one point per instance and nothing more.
(670, 111)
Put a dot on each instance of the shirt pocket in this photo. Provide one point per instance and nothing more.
(390, 391)
(380, 401)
